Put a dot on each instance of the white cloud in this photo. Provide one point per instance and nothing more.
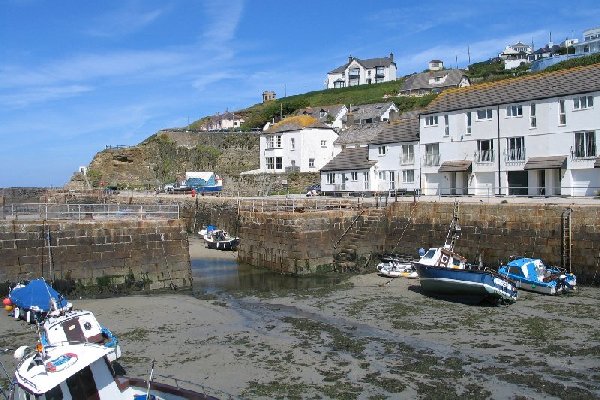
(124, 21)
(222, 21)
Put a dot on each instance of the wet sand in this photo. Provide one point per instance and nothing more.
(366, 338)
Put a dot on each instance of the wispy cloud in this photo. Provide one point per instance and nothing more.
(129, 19)
(222, 21)
(419, 18)
(30, 96)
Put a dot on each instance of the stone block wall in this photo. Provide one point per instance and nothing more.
(155, 252)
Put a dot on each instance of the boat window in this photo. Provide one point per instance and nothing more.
(82, 385)
(54, 394)
(456, 262)
(430, 253)
(515, 271)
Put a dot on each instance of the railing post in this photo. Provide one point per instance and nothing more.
(79, 212)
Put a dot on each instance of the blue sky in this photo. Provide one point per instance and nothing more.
(76, 75)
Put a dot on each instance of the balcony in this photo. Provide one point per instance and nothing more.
(409, 160)
(515, 155)
(431, 160)
(484, 156)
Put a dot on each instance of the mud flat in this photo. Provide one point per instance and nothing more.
(361, 339)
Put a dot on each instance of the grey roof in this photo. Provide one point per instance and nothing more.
(368, 111)
(545, 162)
(368, 63)
(294, 126)
(359, 134)
(350, 159)
(531, 87)
(401, 130)
(455, 166)
(315, 111)
(421, 81)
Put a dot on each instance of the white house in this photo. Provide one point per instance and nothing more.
(369, 113)
(590, 44)
(435, 80)
(296, 144)
(350, 171)
(330, 115)
(533, 135)
(225, 121)
(516, 54)
(397, 153)
(362, 72)
(388, 162)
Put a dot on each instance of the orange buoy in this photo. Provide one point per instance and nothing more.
(8, 308)
(6, 302)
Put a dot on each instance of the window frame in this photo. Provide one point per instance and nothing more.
(354, 176)
(517, 155)
(405, 173)
(532, 116)
(382, 150)
(331, 178)
(514, 111)
(431, 120)
(586, 148)
(488, 114)
(311, 163)
(562, 113)
(583, 103)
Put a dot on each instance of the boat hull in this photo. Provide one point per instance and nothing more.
(223, 245)
(462, 282)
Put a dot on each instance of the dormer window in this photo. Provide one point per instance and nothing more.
(431, 120)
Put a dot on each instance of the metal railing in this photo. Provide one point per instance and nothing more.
(301, 205)
(513, 191)
(79, 212)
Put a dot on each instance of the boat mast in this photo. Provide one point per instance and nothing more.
(453, 230)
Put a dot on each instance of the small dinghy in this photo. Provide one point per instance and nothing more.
(531, 274)
(221, 240)
(395, 266)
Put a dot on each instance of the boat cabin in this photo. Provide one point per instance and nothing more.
(443, 257)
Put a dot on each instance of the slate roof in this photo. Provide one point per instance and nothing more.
(368, 111)
(401, 130)
(368, 63)
(421, 81)
(455, 166)
(531, 87)
(359, 134)
(350, 159)
(315, 112)
(294, 126)
(545, 162)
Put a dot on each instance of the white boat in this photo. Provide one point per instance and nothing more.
(396, 269)
(79, 327)
(82, 371)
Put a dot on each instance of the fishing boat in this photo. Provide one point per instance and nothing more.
(442, 271)
(82, 371)
(79, 326)
(221, 240)
(34, 300)
(395, 266)
(531, 274)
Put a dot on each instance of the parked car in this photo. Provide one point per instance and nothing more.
(313, 190)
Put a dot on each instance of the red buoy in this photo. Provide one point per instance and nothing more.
(6, 302)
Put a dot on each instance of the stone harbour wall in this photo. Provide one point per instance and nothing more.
(153, 252)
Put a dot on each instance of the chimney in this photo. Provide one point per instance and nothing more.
(349, 119)
(394, 116)
(391, 56)
(350, 58)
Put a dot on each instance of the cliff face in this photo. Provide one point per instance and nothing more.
(167, 155)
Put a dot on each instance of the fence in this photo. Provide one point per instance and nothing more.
(303, 205)
(47, 211)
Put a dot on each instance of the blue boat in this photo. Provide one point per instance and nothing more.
(442, 271)
(35, 299)
(531, 274)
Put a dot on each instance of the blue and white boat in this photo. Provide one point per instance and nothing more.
(78, 326)
(442, 271)
(203, 181)
(35, 299)
(531, 274)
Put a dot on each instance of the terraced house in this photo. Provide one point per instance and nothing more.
(362, 72)
(534, 135)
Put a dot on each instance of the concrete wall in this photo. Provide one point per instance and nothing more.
(153, 252)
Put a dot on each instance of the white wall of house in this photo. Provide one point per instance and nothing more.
(397, 166)
(365, 75)
(359, 180)
(309, 149)
(515, 133)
